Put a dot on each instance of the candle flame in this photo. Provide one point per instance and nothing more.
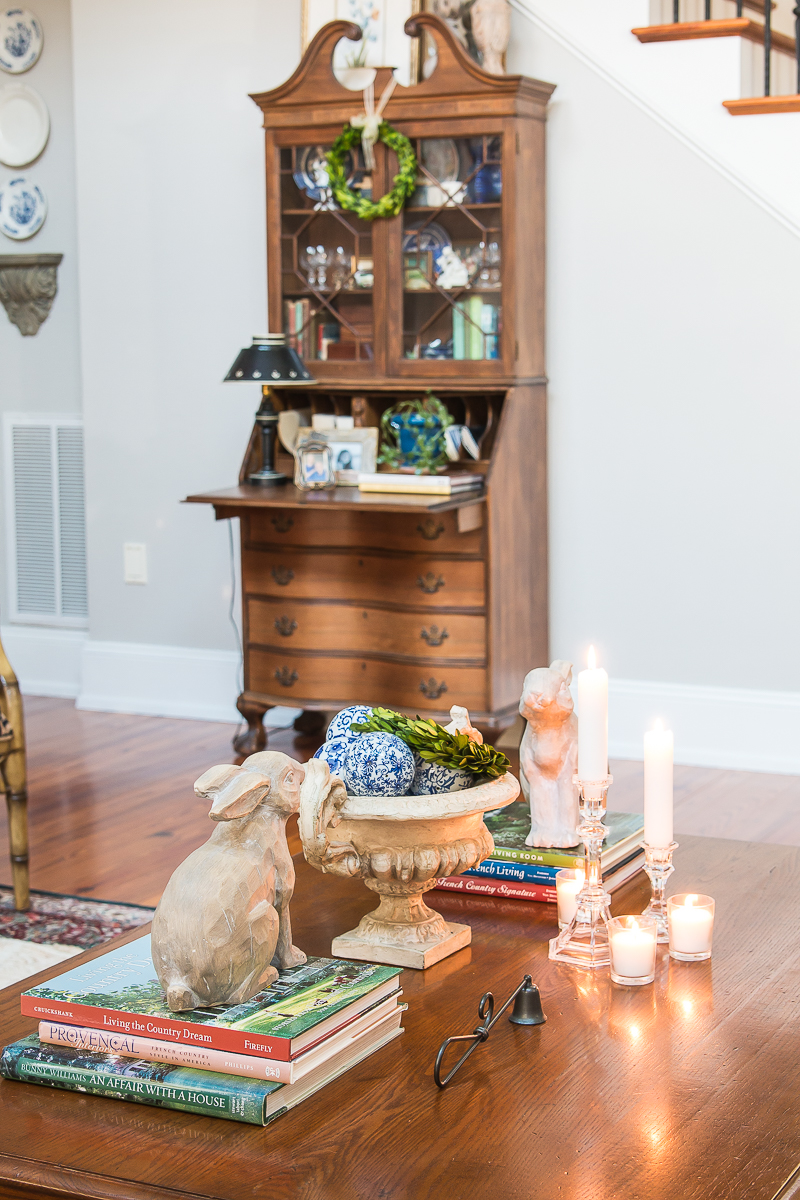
(690, 901)
(659, 725)
(591, 659)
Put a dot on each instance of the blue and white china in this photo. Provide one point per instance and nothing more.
(21, 40)
(378, 764)
(311, 174)
(334, 753)
(340, 725)
(433, 779)
(23, 208)
(432, 237)
(24, 124)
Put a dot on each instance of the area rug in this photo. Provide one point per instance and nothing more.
(57, 927)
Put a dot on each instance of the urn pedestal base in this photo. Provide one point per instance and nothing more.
(402, 931)
(418, 956)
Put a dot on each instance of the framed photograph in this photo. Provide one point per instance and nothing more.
(383, 43)
(353, 451)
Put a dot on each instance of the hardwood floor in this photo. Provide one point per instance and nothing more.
(112, 811)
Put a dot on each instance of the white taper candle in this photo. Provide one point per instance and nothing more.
(592, 721)
(658, 752)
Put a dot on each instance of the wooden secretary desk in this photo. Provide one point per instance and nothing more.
(415, 603)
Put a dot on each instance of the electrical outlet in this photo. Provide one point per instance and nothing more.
(135, 562)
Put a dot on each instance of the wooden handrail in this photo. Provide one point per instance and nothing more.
(735, 27)
(754, 106)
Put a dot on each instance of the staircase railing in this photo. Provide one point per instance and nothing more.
(767, 10)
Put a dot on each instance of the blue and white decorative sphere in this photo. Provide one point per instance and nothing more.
(340, 725)
(433, 779)
(334, 754)
(378, 764)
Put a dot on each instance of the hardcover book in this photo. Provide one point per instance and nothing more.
(511, 825)
(523, 889)
(120, 991)
(188, 1089)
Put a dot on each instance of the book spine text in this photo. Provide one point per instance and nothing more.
(500, 888)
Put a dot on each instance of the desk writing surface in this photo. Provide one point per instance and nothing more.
(286, 495)
(687, 1089)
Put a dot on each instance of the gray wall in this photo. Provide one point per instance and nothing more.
(42, 374)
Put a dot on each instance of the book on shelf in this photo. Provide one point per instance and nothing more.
(423, 485)
(119, 991)
(473, 884)
(188, 1089)
(510, 826)
(128, 1045)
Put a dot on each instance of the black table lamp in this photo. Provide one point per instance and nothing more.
(268, 361)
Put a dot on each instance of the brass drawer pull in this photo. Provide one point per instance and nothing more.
(433, 636)
(430, 583)
(282, 575)
(430, 529)
(285, 677)
(282, 522)
(432, 689)
(285, 626)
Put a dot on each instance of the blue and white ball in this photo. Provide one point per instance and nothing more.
(334, 754)
(340, 725)
(378, 764)
(432, 779)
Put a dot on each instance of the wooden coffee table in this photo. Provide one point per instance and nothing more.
(686, 1090)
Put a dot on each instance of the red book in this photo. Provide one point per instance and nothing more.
(506, 889)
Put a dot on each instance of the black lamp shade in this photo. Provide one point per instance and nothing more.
(269, 360)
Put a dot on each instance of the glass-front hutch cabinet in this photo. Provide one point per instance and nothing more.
(447, 296)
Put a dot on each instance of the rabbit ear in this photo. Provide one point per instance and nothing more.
(234, 791)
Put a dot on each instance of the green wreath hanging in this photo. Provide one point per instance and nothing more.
(404, 181)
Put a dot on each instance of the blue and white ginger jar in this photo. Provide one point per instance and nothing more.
(378, 764)
(334, 753)
(340, 725)
(432, 779)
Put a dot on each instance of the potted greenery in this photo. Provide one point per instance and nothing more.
(412, 435)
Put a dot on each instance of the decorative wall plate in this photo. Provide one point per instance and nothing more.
(23, 208)
(24, 124)
(21, 40)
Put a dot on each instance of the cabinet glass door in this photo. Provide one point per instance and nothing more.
(326, 260)
(452, 248)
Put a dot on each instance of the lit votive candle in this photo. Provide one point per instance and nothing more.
(568, 883)
(690, 919)
(633, 949)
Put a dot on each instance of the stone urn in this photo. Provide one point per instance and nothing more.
(399, 846)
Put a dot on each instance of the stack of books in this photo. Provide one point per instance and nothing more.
(421, 485)
(519, 872)
(105, 1029)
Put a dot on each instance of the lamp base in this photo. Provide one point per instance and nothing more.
(267, 478)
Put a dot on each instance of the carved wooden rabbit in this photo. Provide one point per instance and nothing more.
(548, 755)
(222, 926)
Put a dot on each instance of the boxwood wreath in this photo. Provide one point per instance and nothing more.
(404, 181)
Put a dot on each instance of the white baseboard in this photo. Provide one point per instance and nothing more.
(735, 728)
(46, 661)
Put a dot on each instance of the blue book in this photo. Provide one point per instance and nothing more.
(497, 868)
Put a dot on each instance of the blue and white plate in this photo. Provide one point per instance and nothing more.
(23, 208)
(311, 175)
(431, 237)
(21, 40)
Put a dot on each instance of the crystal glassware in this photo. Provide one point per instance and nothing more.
(632, 943)
(584, 942)
(658, 865)
(690, 918)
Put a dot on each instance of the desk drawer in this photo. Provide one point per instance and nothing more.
(318, 678)
(295, 625)
(400, 581)
(381, 531)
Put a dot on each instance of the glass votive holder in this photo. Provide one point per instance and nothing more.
(690, 918)
(632, 941)
(568, 883)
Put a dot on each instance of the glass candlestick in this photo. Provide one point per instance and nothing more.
(658, 865)
(584, 942)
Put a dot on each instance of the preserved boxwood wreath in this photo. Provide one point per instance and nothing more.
(404, 181)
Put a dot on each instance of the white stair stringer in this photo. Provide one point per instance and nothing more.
(681, 85)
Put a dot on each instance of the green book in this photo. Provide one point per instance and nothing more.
(459, 330)
(187, 1089)
(510, 826)
(119, 990)
(475, 338)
